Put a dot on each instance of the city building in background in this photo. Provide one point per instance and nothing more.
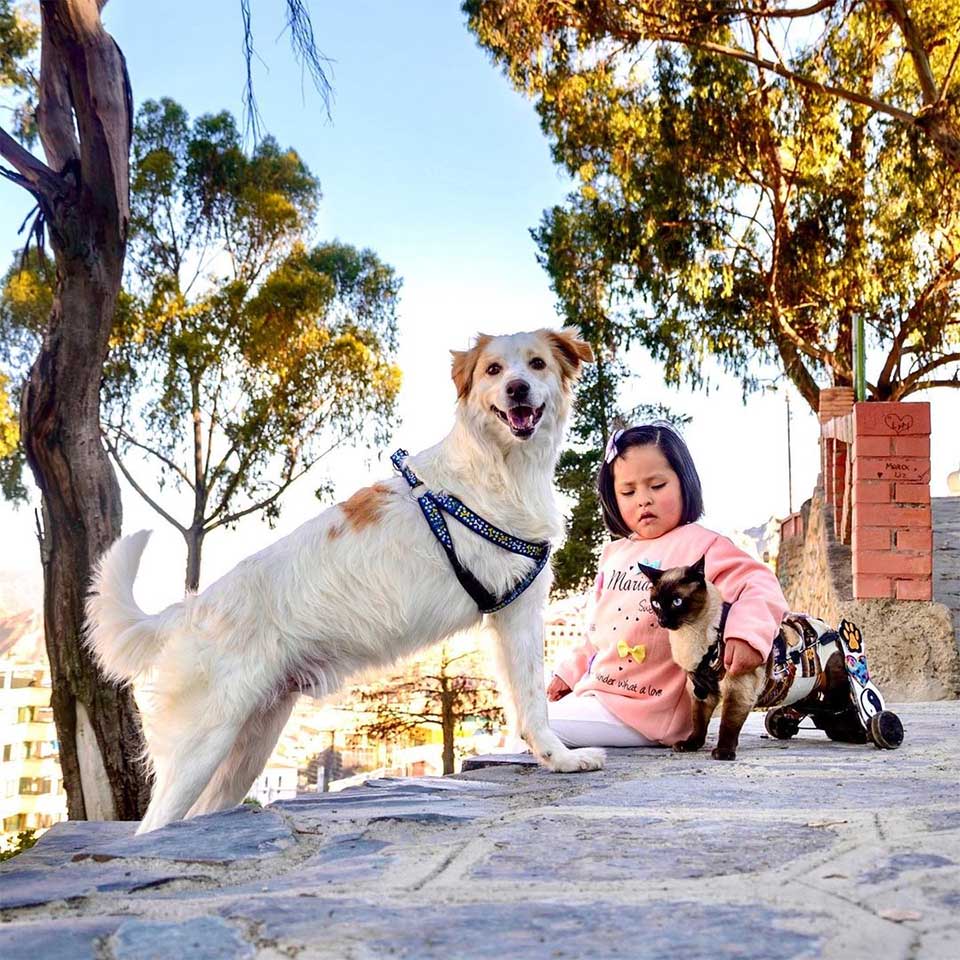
(31, 787)
(564, 625)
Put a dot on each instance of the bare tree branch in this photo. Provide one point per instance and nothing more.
(948, 75)
(136, 486)
(921, 62)
(36, 176)
(916, 375)
(902, 115)
(129, 438)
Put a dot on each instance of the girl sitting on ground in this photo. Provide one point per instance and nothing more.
(621, 687)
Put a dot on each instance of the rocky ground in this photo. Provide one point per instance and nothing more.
(799, 849)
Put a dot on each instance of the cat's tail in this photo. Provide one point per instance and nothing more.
(123, 638)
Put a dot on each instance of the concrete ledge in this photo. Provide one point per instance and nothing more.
(799, 849)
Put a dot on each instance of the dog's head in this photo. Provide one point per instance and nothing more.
(511, 387)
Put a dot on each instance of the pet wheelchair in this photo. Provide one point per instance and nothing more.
(820, 673)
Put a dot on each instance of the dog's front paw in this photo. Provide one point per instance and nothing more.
(687, 746)
(724, 754)
(575, 761)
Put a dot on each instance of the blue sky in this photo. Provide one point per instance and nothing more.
(432, 160)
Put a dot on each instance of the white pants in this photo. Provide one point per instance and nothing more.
(586, 722)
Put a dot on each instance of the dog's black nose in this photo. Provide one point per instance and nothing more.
(518, 390)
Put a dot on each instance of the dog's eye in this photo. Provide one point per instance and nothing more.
(493, 369)
(538, 363)
(677, 602)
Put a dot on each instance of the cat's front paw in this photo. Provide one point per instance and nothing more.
(724, 753)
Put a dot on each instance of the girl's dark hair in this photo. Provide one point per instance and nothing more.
(671, 444)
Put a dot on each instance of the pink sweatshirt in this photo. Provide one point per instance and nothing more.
(625, 658)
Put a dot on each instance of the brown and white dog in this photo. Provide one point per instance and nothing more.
(354, 589)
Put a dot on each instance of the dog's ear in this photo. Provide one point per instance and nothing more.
(651, 573)
(464, 364)
(571, 352)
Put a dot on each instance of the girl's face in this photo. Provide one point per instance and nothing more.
(648, 491)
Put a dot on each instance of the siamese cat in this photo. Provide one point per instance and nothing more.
(692, 610)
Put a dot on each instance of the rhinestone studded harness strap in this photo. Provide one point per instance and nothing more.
(709, 672)
(433, 504)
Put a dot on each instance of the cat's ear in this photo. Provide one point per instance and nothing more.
(699, 568)
(651, 573)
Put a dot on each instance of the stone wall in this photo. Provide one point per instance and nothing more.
(911, 646)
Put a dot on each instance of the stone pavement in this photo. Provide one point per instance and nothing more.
(799, 849)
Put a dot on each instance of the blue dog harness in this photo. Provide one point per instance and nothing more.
(433, 504)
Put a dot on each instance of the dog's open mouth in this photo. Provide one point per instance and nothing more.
(521, 419)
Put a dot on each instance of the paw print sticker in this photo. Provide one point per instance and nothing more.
(851, 635)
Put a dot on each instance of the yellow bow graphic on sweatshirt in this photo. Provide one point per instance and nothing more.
(639, 652)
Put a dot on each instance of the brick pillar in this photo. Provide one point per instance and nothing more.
(892, 537)
(834, 402)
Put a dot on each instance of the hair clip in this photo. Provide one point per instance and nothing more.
(611, 453)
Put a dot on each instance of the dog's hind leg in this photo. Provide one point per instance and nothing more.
(181, 775)
(519, 632)
(249, 753)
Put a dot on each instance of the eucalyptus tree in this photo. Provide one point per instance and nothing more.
(750, 194)
(244, 354)
(580, 282)
(84, 119)
(241, 354)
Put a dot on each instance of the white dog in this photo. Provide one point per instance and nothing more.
(361, 585)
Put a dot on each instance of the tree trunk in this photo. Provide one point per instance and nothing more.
(85, 205)
(194, 537)
(448, 723)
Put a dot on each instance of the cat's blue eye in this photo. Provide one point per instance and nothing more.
(655, 604)
(677, 602)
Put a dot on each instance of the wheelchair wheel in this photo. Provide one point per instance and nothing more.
(886, 730)
(781, 725)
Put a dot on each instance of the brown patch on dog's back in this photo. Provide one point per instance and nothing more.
(364, 507)
(465, 363)
(334, 531)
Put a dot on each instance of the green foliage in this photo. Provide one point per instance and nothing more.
(24, 841)
(581, 283)
(11, 453)
(732, 212)
(19, 38)
(25, 301)
(240, 353)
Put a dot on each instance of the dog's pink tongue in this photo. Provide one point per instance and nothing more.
(521, 418)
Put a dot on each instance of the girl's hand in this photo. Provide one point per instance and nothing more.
(557, 689)
(739, 657)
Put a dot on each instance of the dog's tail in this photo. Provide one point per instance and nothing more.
(124, 639)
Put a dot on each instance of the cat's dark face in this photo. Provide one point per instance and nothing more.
(678, 595)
